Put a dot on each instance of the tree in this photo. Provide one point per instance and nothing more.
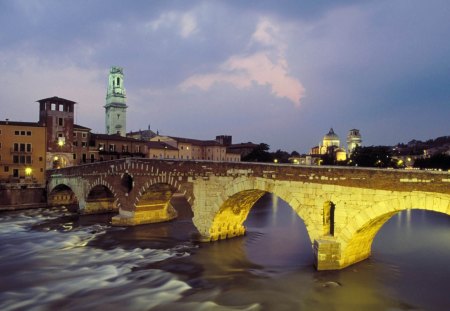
(438, 161)
(373, 156)
(259, 154)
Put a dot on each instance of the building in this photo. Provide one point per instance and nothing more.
(353, 140)
(330, 146)
(142, 134)
(22, 152)
(161, 150)
(57, 115)
(104, 147)
(194, 149)
(116, 108)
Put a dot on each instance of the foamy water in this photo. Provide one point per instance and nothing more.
(53, 269)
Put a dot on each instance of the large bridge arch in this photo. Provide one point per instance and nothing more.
(356, 243)
(236, 197)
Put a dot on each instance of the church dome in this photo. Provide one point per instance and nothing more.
(331, 135)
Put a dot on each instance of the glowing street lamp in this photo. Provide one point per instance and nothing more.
(275, 161)
(28, 171)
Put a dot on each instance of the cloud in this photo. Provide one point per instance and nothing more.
(184, 23)
(267, 67)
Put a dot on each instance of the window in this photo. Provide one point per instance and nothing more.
(6, 169)
(60, 121)
(101, 146)
(74, 156)
(0, 132)
(112, 147)
(53, 107)
(22, 133)
(60, 135)
(84, 135)
(0, 145)
(92, 157)
(40, 159)
(22, 159)
(74, 134)
(42, 169)
(61, 107)
(22, 147)
(75, 143)
(16, 132)
(28, 133)
(83, 144)
(15, 159)
(28, 159)
(16, 147)
(28, 147)
(15, 172)
(84, 158)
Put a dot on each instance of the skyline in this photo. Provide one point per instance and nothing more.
(259, 71)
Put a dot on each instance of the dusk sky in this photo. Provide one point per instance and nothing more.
(279, 72)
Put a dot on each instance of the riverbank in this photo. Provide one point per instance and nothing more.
(22, 196)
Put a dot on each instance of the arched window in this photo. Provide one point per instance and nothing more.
(118, 81)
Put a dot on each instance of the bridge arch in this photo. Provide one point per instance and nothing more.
(235, 200)
(152, 202)
(100, 198)
(62, 194)
(356, 241)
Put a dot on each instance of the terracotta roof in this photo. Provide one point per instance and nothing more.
(196, 141)
(116, 137)
(20, 123)
(56, 99)
(79, 127)
(160, 145)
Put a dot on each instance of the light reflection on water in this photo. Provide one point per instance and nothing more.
(49, 261)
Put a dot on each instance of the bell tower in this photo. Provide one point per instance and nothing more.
(116, 108)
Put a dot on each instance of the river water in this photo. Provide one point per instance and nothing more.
(54, 259)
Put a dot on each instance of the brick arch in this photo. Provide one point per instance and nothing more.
(234, 203)
(64, 198)
(175, 185)
(356, 242)
(100, 204)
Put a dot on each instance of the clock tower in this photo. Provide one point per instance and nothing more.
(116, 108)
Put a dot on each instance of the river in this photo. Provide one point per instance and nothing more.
(54, 259)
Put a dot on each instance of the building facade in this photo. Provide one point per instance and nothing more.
(57, 115)
(22, 152)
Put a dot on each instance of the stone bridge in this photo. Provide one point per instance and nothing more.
(343, 208)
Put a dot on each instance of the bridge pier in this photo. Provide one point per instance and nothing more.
(99, 206)
(145, 214)
(327, 253)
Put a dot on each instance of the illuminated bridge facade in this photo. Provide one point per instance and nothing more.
(343, 208)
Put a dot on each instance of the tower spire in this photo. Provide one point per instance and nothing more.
(115, 108)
